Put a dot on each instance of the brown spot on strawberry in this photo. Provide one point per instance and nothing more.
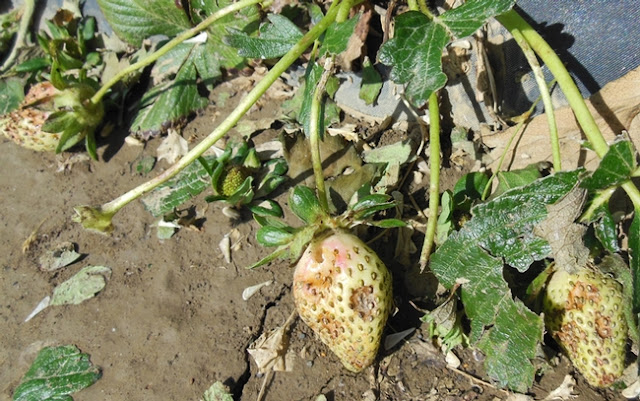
(362, 301)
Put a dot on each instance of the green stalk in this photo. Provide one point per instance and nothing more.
(171, 44)
(544, 95)
(314, 134)
(512, 20)
(434, 179)
(99, 218)
(343, 12)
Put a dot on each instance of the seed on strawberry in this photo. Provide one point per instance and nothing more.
(584, 313)
(342, 290)
(232, 179)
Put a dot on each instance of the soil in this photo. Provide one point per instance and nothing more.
(171, 320)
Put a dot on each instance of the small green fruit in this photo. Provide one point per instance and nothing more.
(584, 313)
(232, 179)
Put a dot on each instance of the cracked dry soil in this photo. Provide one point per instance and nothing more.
(171, 320)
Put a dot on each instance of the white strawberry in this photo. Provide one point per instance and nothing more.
(24, 125)
(584, 311)
(343, 291)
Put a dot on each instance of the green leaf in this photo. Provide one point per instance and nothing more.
(168, 102)
(145, 165)
(11, 94)
(56, 373)
(511, 344)
(371, 83)
(219, 54)
(276, 38)
(371, 200)
(371, 204)
(445, 219)
(299, 107)
(302, 238)
(500, 231)
(187, 184)
(136, 20)
(273, 236)
(468, 189)
(82, 286)
(464, 20)
(218, 392)
(337, 36)
(415, 51)
(616, 166)
(91, 146)
(304, 204)
(606, 229)
(517, 178)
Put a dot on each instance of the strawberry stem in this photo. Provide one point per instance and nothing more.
(530, 55)
(314, 134)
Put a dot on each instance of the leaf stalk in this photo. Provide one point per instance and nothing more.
(544, 95)
(316, 129)
(434, 179)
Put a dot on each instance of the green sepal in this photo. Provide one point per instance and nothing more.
(387, 223)
(273, 209)
(31, 65)
(59, 121)
(273, 236)
(370, 204)
(304, 204)
(278, 253)
(302, 238)
(70, 137)
(244, 193)
(90, 145)
(274, 178)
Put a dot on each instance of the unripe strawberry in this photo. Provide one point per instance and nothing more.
(231, 180)
(342, 290)
(584, 313)
(24, 125)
